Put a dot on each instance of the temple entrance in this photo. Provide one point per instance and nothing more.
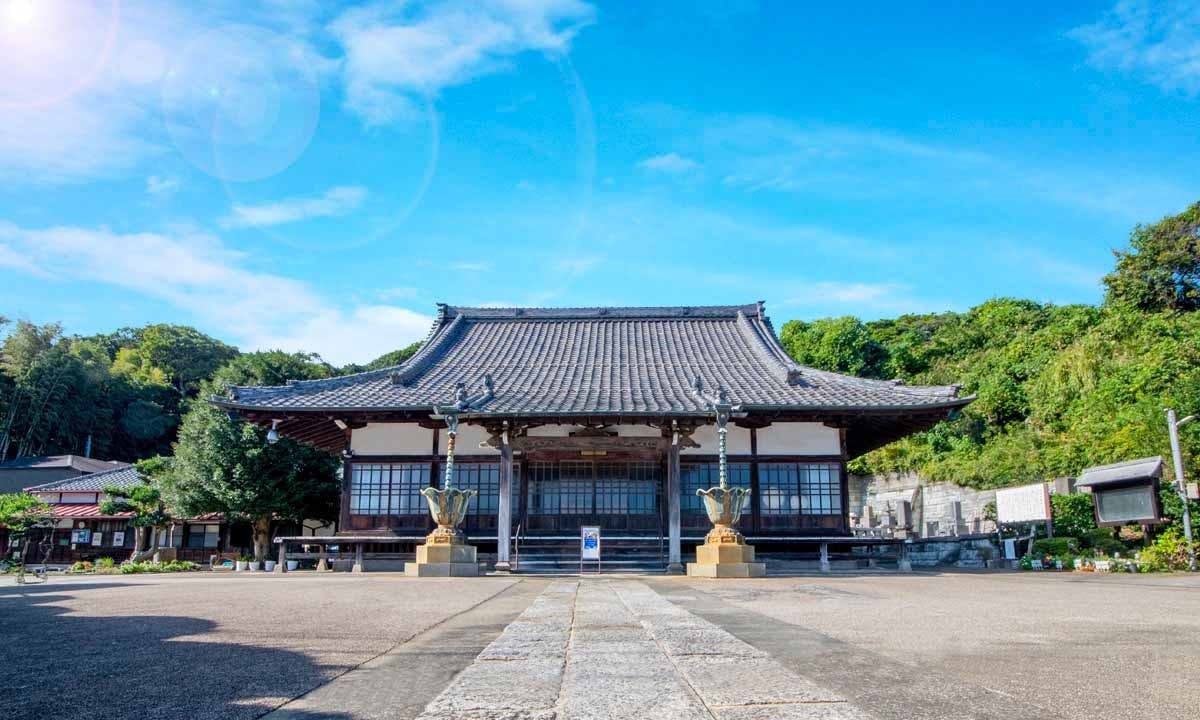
(617, 495)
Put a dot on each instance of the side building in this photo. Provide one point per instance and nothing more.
(82, 531)
(598, 416)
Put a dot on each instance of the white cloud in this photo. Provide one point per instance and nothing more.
(1160, 41)
(196, 273)
(671, 163)
(160, 186)
(414, 50)
(93, 88)
(471, 266)
(839, 292)
(332, 203)
(578, 265)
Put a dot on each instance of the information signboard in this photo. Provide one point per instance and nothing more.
(589, 542)
(97, 539)
(81, 537)
(119, 538)
(1028, 503)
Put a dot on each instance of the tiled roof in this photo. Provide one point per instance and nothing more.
(78, 511)
(124, 477)
(1127, 471)
(565, 361)
(75, 462)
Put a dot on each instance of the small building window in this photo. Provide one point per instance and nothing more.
(203, 536)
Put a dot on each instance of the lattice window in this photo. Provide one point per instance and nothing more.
(388, 489)
(799, 489)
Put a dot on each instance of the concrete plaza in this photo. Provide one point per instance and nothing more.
(953, 645)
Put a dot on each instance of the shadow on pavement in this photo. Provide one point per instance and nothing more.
(57, 664)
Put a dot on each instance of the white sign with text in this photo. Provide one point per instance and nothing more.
(1028, 503)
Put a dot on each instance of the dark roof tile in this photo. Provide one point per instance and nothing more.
(557, 361)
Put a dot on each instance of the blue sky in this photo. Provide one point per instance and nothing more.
(311, 176)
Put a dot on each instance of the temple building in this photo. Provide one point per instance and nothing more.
(602, 417)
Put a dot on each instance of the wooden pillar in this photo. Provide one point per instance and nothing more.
(358, 558)
(825, 567)
(674, 545)
(281, 564)
(504, 505)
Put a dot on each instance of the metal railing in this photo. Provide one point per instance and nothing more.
(516, 563)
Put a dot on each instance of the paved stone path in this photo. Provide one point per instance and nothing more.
(616, 649)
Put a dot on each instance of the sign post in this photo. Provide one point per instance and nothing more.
(589, 546)
(1025, 504)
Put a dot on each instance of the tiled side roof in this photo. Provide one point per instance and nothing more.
(1129, 470)
(124, 477)
(75, 462)
(561, 361)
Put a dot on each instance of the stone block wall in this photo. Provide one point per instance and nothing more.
(930, 503)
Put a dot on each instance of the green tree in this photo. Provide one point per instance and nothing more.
(145, 502)
(22, 513)
(1161, 268)
(840, 344)
(185, 354)
(226, 465)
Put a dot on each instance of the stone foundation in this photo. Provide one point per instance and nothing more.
(725, 554)
(437, 558)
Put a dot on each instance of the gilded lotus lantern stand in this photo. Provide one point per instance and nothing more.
(445, 552)
(724, 552)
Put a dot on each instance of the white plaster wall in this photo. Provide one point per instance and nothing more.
(392, 439)
(79, 497)
(799, 438)
(566, 430)
(552, 430)
(469, 437)
(737, 441)
(638, 431)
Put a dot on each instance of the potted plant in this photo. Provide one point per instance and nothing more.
(243, 562)
(269, 566)
(254, 565)
(293, 565)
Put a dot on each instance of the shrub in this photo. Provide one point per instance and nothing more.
(82, 566)
(1072, 514)
(1168, 552)
(104, 563)
(1103, 541)
(137, 568)
(1057, 547)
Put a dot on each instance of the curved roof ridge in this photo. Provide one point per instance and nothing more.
(666, 312)
(768, 350)
(432, 348)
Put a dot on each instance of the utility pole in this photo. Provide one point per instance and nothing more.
(1180, 484)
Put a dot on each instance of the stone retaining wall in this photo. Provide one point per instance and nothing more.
(931, 503)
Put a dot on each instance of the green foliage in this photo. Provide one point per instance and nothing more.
(1168, 552)
(1055, 546)
(1073, 515)
(1161, 269)
(104, 563)
(225, 465)
(1172, 507)
(22, 512)
(186, 355)
(1058, 389)
(172, 566)
(387, 360)
(1103, 541)
(842, 345)
(144, 501)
